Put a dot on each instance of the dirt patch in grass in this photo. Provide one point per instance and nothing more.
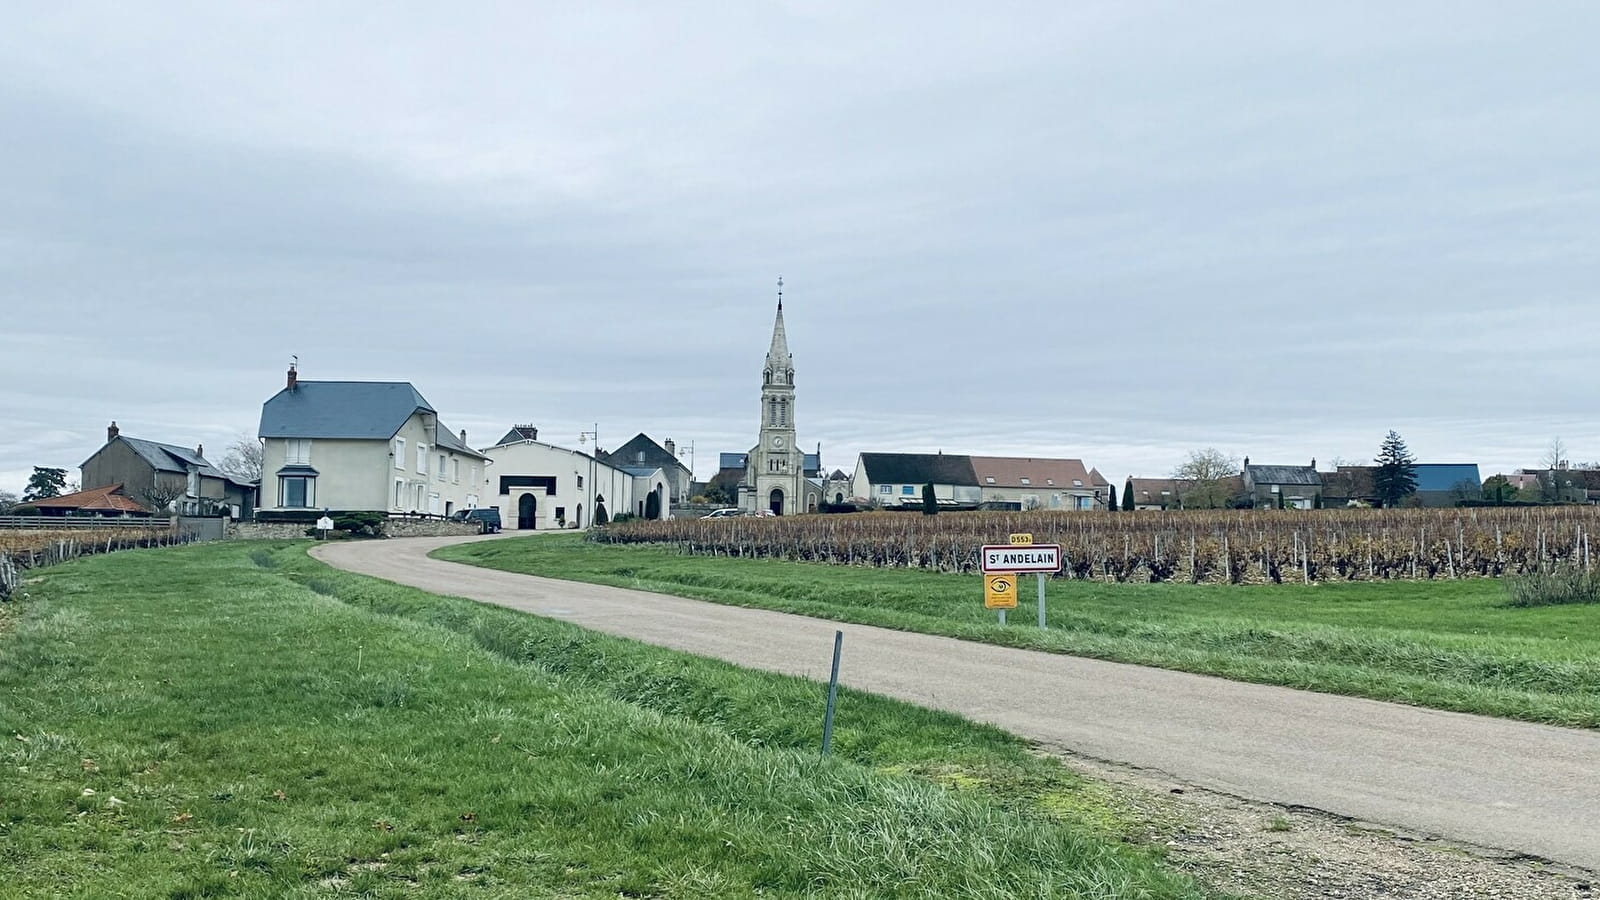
(1265, 850)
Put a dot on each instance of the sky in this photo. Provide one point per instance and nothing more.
(1113, 231)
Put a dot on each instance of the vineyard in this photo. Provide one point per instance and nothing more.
(1231, 546)
(32, 549)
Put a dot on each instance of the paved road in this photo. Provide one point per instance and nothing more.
(1507, 785)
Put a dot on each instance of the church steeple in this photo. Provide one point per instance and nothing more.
(780, 364)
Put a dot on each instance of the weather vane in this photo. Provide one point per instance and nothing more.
(780, 292)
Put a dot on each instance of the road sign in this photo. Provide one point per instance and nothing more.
(1019, 540)
(1000, 591)
(1029, 558)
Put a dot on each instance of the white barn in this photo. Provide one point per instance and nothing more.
(537, 485)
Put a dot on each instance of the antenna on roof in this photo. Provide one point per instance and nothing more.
(780, 293)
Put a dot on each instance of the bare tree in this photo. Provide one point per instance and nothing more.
(8, 500)
(1202, 478)
(243, 459)
(162, 492)
(1554, 484)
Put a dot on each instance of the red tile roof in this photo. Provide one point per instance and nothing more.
(101, 499)
(1009, 472)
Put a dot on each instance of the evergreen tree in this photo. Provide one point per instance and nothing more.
(44, 484)
(1396, 475)
(930, 500)
(1127, 498)
(1112, 503)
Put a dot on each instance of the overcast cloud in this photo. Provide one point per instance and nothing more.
(1116, 231)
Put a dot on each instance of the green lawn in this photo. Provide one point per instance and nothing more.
(1446, 644)
(242, 720)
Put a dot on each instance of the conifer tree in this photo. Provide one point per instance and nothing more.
(930, 501)
(1396, 475)
(1112, 503)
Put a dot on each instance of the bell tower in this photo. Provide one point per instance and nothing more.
(775, 472)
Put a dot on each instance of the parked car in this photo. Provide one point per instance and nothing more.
(488, 518)
(724, 513)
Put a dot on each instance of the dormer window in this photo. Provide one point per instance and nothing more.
(1077, 483)
(1026, 482)
(988, 479)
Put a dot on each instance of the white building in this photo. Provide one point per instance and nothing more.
(537, 485)
(363, 446)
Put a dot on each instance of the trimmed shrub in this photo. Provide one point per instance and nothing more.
(1557, 587)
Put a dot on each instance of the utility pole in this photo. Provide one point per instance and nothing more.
(595, 436)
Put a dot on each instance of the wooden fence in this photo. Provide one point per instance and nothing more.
(35, 523)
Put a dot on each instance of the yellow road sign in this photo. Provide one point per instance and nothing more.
(1022, 540)
(1000, 591)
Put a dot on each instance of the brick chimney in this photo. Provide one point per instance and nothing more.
(112, 431)
(672, 449)
(292, 377)
(463, 437)
(200, 450)
(1313, 462)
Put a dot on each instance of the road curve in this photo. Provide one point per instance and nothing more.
(1513, 786)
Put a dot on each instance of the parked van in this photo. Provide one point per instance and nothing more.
(488, 518)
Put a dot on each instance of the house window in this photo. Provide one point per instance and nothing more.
(988, 479)
(908, 490)
(885, 488)
(1050, 481)
(422, 459)
(455, 471)
(399, 455)
(194, 482)
(1026, 482)
(399, 493)
(1277, 488)
(441, 467)
(1077, 482)
(474, 471)
(421, 504)
(580, 482)
(297, 491)
(297, 452)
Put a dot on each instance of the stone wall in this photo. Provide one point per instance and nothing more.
(266, 531)
(428, 528)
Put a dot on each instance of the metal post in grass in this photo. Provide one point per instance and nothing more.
(1041, 599)
(833, 692)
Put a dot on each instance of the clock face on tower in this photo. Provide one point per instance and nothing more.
(777, 442)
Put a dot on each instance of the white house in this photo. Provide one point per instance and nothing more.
(363, 446)
(538, 485)
(896, 479)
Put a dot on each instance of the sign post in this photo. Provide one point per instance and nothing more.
(1018, 556)
(324, 525)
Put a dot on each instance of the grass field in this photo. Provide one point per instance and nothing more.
(1446, 644)
(242, 720)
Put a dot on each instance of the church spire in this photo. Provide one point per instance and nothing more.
(778, 358)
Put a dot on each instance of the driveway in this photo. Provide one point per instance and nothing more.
(1507, 785)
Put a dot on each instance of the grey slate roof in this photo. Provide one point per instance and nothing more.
(1284, 475)
(654, 454)
(640, 471)
(450, 441)
(361, 410)
(519, 433)
(919, 468)
(169, 457)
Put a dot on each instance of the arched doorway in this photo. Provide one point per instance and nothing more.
(578, 521)
(527, 513)
(838, 499)
(775, 501)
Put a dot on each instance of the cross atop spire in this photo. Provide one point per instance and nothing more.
(780, 293)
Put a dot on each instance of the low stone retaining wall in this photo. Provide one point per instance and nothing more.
(265, 531)
(289, 531)
(428, 528)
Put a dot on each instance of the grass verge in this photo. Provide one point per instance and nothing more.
(230, 720)
(1449, 645)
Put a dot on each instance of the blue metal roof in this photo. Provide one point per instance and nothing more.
(1445, 476)
(731, 460)
(371, 410)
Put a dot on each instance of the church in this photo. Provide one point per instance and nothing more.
(779, 477)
